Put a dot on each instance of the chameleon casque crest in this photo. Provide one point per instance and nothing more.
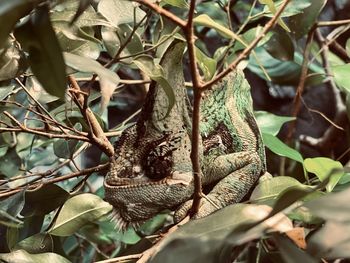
(152, 171)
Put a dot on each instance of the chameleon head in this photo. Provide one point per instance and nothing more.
(137, 199)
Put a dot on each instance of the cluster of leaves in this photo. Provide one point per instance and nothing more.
(43, 132)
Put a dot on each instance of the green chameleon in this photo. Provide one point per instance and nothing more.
(152, 171)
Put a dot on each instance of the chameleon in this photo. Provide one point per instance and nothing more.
(152, 171)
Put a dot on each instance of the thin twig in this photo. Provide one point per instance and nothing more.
(98, 168)
(163, 12)
(249, 48)
(301, 85)
(333, 23)
(189, 32)
(96, 133)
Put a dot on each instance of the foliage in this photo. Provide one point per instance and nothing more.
(52, 206)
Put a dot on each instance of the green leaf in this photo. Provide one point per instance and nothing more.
(39, 243)
(206, 64)
(120, 11)
(10, 13)
(271, 6)
(83, 5)
(205, 20)
(280, 46)
(12, 60)
(45, 57)
(64, 148)
(333, 206)
(77, 212)
(290, 252)
(84, 64)
(201, 240)
(269, 189)
(280, 148)
(25, 257)
(156, 73)
(10, 209)
(177, 3)
(341, 76)
(323, 167)
(114, 38)
(270, 123)
(301, 24)
(128, 237)
(44, 200)
(330, 241)
(5, 91)
(283, 72)
(88, 19)
(10, 163)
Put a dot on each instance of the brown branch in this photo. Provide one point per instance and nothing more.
(96, 133)
(189, 33)
(98, 168)
(301, 85)
(248, 49)
(333, 23)
(38, 131)
(326, 142)
(163, 12)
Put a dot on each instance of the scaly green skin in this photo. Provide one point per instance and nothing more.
(152, 168)
(233, 152)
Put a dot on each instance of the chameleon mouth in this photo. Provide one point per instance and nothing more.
(175, 178)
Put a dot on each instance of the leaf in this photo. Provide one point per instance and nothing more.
(205, 20)
(269, 189)
(83, 64)
(5, 91)
(291, 253)
(10, 163)
(271, 6)
(330, 241)
(12, 60)
(44, 200)
(107, 90)
(83, 5)
(333, 206)
(120, 11)
(64, 148)
(301, 24)
(283, 72)
(128, 237)
(341, 76)
(113, 39)
(280, 46)
(206, 64)
(45, 58)
(10, 13)
(77, 212)
(24, 257)
(322, 167)
(200, 240)
(10, 209)
(39, 243)
(270, 123)
(156, 73)
(177, 3)
(280, 148)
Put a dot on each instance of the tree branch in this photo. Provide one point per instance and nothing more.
(96, 133)
(163, 12)
(249, 48)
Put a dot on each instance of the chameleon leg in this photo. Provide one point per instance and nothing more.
(238, 171)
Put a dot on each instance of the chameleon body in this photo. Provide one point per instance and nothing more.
(152, 170)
